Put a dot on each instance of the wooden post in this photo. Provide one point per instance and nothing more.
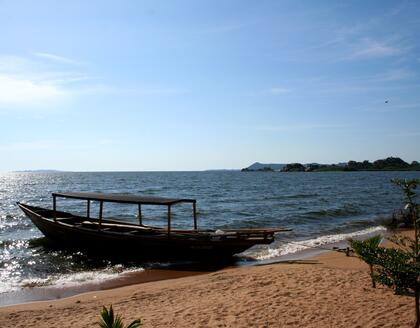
(169, 221)
(195, 216)
(55, 207)
(88, 209)
(101, 207)
(139, 215)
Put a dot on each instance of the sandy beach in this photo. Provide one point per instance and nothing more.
(330, 290)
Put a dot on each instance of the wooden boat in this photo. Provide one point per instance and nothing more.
(110, 235)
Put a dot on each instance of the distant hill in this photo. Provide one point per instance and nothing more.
(257, 166)
(386, 164)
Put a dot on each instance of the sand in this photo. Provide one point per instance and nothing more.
(331, 291)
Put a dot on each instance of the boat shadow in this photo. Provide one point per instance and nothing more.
(95, 258)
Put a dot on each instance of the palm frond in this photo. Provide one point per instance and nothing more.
(109, 320)
(135, 324)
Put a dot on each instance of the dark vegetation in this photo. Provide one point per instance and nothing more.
(387, 164)
(294, 167)
(399, 267)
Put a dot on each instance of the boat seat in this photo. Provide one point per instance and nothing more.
(105, 224)
(122, 228)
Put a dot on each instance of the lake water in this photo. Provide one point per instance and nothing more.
(321, 208)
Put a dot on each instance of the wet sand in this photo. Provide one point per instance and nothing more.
(329, 290)
(53, 292)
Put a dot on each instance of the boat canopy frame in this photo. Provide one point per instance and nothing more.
(125, 199)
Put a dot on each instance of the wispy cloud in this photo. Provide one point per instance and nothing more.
(368, 48)
(28, 83)
(276, 90)
(22, 91)
(56, 58)
(394, 75)
(360, 41)
(32, 83)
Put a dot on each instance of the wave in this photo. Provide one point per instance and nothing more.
(346, 210)
(289, 196)
(301, 196)
(70, 279)
(291, 247)
(11, 222)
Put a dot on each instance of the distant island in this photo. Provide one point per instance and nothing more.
(38, 171)
(263, 167)
(387, 164)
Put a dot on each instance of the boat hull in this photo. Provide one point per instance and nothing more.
(141, 246)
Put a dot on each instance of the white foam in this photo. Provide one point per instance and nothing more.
(95, 277)
(296, 246)
(69, 279)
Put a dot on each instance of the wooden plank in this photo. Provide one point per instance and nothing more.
(139, 215)
(195, 215)
(169, 221)
(55, 208)
(101, 207)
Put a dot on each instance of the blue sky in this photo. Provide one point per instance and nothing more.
(192, 85)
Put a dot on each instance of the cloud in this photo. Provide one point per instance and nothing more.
(394, 75)
(27, 82)
(56, 58)
(359, 40)
(31, 83)
(276, 90)
(13, 64)
(368, 49)
(23, 91)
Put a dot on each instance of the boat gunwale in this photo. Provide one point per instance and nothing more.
(197, 235)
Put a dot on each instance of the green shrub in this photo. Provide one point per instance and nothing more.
(109, 320)
(367, 251)
(398, 268)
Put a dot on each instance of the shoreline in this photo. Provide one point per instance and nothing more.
(29, 295)
(35, 294)
(50, 293)
(329, 289)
